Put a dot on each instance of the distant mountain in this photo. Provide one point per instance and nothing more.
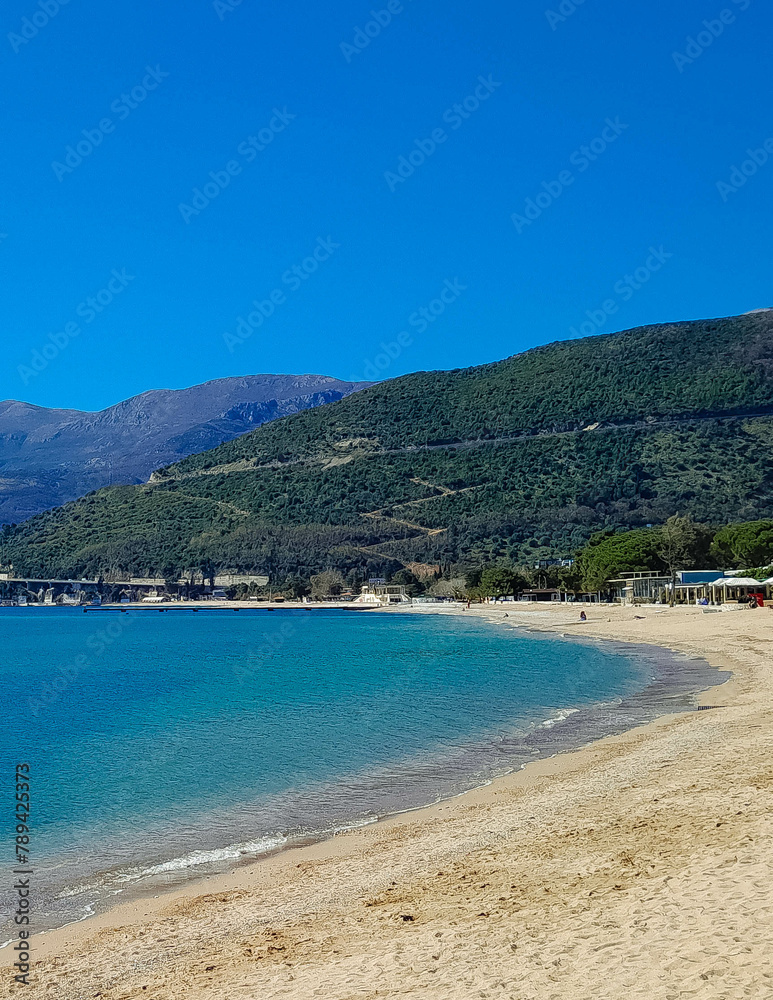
(48, 457)
(515, 461)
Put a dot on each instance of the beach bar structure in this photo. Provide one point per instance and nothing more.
(736, 588)
(546, 594)
(645, 586)
(727, 589)
(383, 593)
(691, 586)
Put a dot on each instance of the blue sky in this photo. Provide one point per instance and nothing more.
(307, 124)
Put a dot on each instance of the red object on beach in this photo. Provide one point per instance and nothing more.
(760, 598)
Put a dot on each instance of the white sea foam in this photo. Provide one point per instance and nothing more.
(197, 858)
(354, 825)
(559, 717)
(76, 890)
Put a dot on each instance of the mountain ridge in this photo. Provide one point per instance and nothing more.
(728, 379)
(614, 431)
(49, 456)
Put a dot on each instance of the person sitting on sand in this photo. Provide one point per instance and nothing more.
(583, 617)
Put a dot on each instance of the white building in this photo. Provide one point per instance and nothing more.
(384, 594)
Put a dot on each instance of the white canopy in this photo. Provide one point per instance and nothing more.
(736, 581)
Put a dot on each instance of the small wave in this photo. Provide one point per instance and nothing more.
(560, 717)
(198, 858)
(76, 890)
(88, 911)
(354, 825)
(195, 859)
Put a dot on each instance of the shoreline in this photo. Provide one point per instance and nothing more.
(575, 727)
(348, 848)
(491, 615)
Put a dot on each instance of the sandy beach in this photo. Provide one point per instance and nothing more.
(639, 866)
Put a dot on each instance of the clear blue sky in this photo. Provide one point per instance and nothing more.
(328, 173)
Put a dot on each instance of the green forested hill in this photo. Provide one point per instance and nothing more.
(510, 461)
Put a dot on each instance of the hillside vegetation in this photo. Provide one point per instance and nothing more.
(48, 457)
(505, 463)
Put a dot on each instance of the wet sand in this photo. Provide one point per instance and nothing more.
(639, 866)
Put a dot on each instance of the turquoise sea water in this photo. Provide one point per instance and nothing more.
(165, 745)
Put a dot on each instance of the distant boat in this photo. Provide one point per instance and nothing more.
(22, 602)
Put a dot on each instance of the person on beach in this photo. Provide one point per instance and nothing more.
(583, 617)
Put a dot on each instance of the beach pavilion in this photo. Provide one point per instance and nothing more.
(735, 588)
